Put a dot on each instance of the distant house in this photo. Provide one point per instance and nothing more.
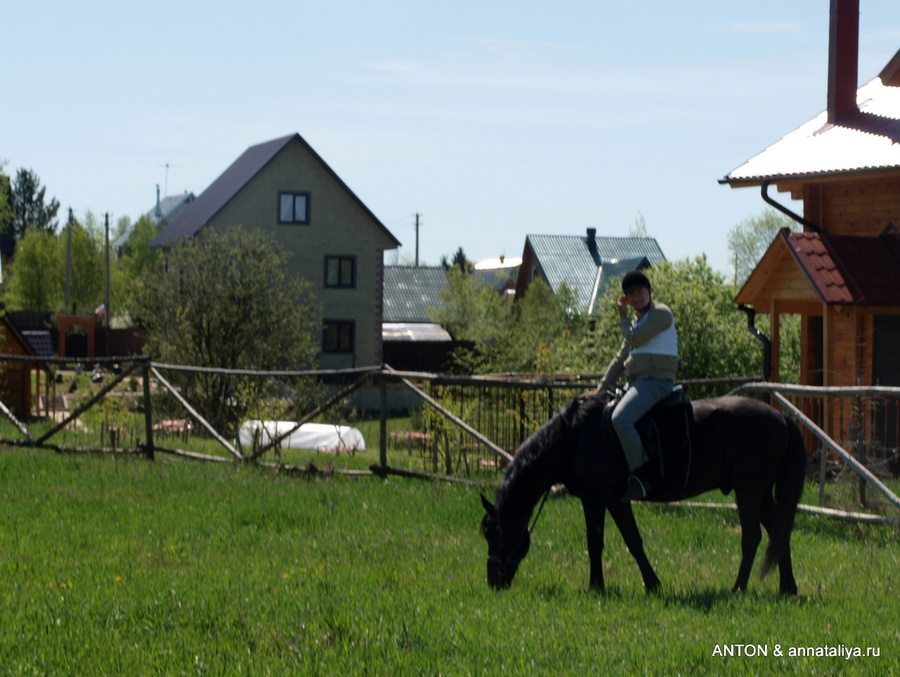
(585, 263)
(500, 273)
(284, 188)
(842, 273)
(164, 211)
(412, 342)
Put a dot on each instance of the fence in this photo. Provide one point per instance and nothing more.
(469, 426)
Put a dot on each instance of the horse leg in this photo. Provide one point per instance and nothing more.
(751, 534)
(786, 585)
(594, 516)
(623, 516)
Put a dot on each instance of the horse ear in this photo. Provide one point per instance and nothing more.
(488, 506)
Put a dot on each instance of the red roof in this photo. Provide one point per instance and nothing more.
(849, 269)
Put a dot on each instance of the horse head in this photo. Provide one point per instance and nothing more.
(507, 547)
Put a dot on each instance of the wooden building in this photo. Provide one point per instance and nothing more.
(842, 273)
(21, 381)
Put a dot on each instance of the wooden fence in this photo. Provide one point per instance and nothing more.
(465, 423)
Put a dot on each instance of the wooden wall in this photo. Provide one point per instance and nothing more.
(863, 206)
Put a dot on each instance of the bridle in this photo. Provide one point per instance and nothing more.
(504, 562)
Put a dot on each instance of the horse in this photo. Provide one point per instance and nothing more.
(736, 443)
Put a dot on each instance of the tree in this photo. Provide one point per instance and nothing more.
(639, 228)
(29, 208)
(544, 331)
(471, 311)
(36, 277)
(459, 262)
(6, 210)
(88, 279)
(225, 299)
(750, 239)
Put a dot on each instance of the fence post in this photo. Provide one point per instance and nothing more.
(382, 436)
(148, 412)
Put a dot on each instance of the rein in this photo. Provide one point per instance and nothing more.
(528, 531)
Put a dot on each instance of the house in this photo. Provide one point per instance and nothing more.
(412, 342)
(841, 275)
(17, 377)
(164, 211)
(284, 188)
(586, 263)
(501, 274)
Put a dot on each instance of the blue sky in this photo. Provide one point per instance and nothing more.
(492, 120)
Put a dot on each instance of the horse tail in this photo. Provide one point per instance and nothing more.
(789, 479)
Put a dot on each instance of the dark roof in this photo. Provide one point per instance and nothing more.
(211, 201)
(410, 291)
(40, 342)
(848, 269)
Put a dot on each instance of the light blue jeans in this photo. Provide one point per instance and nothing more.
(639, 398)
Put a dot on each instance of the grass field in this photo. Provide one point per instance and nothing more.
(114, 565)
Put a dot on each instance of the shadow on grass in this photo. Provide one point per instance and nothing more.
(704, 599)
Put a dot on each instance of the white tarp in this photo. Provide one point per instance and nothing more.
(318, 436)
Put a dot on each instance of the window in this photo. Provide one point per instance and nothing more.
(337, 336)
(293, 207)
(340, 271)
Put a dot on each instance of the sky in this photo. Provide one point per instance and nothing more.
(491, 120)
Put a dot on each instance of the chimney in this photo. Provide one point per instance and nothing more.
(592, 243)
(843, 58)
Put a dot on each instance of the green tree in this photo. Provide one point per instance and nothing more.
(36, 277)
(138, 259)
(459, 262)
(6, 210)
(225, 299)
(544, 330)
(30, 209)
(87, 283)
(471, 311)
(750, 239)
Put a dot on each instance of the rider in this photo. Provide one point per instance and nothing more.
(649, 358)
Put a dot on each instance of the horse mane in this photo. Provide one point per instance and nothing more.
(535, 459)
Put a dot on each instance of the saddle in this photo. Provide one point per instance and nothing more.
(665, 431)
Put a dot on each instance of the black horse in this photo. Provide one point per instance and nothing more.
(737, 444)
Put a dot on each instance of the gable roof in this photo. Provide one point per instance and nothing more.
(410, 291)
(839, 269)
(863, 140)
(160, 213)
(229, 183)
(587, 263)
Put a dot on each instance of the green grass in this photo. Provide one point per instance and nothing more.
(116, 565)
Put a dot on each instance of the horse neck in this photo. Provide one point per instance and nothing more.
(534, 470)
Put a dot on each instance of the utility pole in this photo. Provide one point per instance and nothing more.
(417, 240)
(107, 269)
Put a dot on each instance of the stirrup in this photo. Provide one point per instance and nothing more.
(636, 490)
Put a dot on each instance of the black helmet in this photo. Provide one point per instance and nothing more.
(635, 279)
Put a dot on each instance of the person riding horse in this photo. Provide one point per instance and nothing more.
(649, 359)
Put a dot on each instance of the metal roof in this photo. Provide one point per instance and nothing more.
(587, 264)
(410, 291)
(413, 331)
(868, 139)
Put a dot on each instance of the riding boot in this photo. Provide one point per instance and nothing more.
(638, 487)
